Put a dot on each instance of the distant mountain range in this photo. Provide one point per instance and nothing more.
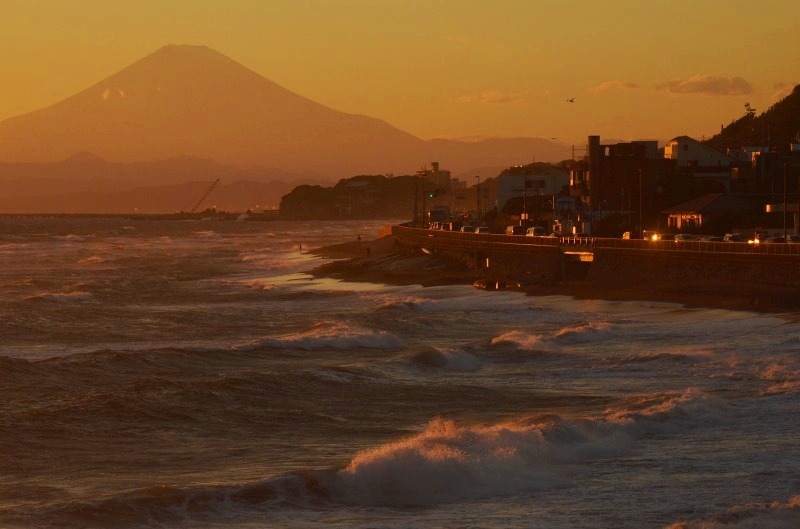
(194, 101)
(85, 182)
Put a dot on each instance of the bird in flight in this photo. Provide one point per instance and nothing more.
(571, 100)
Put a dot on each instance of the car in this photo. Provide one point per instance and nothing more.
(515, 230)
(651, 235)
(467, 229)
(793, 238)
(535, 231)
(710, 238)
(482, 229)
(773, 240)
(683, 237)
(733, 237)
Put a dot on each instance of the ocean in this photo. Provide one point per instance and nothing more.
(192, 374)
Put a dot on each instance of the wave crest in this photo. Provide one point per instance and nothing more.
(331, 335)
(452, 360)
(62, 297)
(449, 462)
(772, 515)
(526, 341)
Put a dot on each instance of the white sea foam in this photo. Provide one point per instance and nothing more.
(62, 297)
(394, 301)
(525, 341)
(92, 260)
(331, 335)
(783, 378)
(580, 332)
(450, 462)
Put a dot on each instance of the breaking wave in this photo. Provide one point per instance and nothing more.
(450, 462)
(445, 462)
(330, 335)
(450, 360)
(765, 515)
(527, 341)
(62, 297)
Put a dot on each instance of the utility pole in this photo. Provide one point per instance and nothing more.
(523, 220)
(785, 201)
(478, 195)
(416, 204)
(641, 221)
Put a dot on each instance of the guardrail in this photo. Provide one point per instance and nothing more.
(470, 241)
(439, 239)
(710, 247)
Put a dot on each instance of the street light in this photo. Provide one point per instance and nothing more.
(524, 216)
(785, 202)
(478, 195)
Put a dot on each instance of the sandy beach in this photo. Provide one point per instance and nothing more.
(384, 261)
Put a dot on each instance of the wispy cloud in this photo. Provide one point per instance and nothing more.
(490, 97)
(613, 85)
(708, 85)
(782, 90)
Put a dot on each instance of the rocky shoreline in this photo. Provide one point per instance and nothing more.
(385, 261)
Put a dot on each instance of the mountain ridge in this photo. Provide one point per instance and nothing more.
(195, 101)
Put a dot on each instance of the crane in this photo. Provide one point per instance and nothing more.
(205, 196)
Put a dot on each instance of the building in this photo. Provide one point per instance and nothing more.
(711, 168)
(529, 193)
(621, 182)
(710, 212)
(765, 173)
(529, 181)
(688, 152)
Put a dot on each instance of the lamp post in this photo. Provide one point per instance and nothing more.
(641, 221)
(524, 218)
(785, 202)
(478, 195)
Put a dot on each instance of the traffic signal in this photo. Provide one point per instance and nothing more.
(433, 194)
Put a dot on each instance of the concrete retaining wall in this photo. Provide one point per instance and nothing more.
(630, 267)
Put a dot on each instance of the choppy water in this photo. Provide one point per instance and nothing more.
(189, 374)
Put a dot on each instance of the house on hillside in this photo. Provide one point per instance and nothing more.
(767, 174)
(696, 159)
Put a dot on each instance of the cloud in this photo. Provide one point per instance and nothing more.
(613, 85)
(783, 90)
(490, 97)
(709, 85)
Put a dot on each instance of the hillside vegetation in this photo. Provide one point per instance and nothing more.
(777, 127)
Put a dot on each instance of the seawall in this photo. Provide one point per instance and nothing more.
(733, 275)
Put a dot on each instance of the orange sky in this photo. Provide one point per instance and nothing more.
(440, 68)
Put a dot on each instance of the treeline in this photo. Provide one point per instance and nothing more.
(359, 197)
(777, 127)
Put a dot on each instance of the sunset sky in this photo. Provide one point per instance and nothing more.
(440, 68)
